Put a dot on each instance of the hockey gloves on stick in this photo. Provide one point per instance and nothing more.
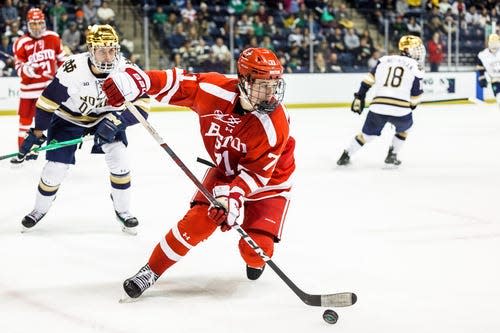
(107, 129)
(31, 141)
(482, 82)
(358, 104)
(231, 202)
(125, 85)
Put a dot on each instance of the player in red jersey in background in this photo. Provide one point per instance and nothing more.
(37, 54)
(245, 129)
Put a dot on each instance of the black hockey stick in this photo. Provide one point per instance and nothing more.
(328, 300)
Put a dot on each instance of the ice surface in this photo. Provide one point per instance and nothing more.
(419, 245)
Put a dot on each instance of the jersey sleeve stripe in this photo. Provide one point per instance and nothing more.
(217, 91)
(268, 125)
(46, 104)
(171, 87)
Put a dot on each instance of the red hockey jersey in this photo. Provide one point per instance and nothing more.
(45, 53)
(254, 150)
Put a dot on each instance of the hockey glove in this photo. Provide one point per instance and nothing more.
(127, 85)
(33, 71)
(107, 129)
(31, 141)
(482, 82)
(227, 213)
(358, 104)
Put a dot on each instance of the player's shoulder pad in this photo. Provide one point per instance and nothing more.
(51, 34)
(275, 125)
(73, 66)
(19, 42)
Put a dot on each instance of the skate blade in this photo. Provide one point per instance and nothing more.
(389, 166)
(130, 231)
(25, 230)
(126, 299)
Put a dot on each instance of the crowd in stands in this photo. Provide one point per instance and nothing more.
(195, 34)
(433, 20)
(191, 31)
(69, 19)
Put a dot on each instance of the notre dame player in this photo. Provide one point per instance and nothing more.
(397, 80)
(74, 105)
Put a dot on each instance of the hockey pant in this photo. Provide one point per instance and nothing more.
(26, 113)
(263, 220)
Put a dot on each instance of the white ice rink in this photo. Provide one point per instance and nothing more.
(419, 245)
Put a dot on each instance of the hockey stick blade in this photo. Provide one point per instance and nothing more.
(334, 300)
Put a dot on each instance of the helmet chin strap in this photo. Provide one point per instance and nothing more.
(244, 100)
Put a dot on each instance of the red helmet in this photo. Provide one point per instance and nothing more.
(259, 63)
(264, 95)
(35, 14)
(36, 22)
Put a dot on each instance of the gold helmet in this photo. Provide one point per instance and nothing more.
(412, 46)
(494, 42)
(102, 36)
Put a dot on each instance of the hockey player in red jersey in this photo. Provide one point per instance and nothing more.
(38, 54)
(245, 129)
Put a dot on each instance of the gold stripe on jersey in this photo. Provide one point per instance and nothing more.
(369, 79)
(391, 101)
(81, 119)
(120, 179)
(46, 104)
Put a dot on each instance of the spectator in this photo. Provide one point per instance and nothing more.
(267, 43)
(336, 41)
(372, 62)
(413, 27)
(176, 40)
(435, 49)
(6, 48)
(9, 13)
(444, 5)
(333, 64)
(14, 33)
(159, 20)
(351, 40)
(320, 64)
(221, 52)
(89, 11)
(105, 14)
(57, 11)
(189, 12)
(71, 37)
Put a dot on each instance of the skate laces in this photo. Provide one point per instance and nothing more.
(36, 215)
(125, 215)
(145, 278)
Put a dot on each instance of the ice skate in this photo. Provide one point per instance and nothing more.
(128, 221)
(137, 284)
(392, 158)
(254, 273)
(345, 159)
(30, 220)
